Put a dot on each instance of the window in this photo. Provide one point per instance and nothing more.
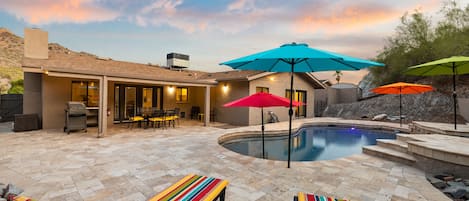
(182, 94)
(86, 92)
(300, 96)
(262, 89)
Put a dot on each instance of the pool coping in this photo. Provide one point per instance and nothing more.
(227, 137)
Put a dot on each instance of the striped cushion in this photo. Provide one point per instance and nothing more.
(193, 187)
(311, 197)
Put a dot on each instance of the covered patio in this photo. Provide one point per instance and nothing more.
(113, 91)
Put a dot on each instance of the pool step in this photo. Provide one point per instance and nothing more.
(404, 137)
(397, 145)
(390, 154)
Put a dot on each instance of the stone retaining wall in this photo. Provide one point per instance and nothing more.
(432, 106)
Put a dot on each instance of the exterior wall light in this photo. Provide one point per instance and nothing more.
(44, 70)
(170, 89)
(272, 78)
(225, 88)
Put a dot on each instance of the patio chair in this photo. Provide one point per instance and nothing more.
(171, 117)
(136, 118)
(194, 187)
(312, 197)
(176, 115)
(158, 118)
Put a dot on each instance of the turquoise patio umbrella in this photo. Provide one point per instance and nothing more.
(455, 65)
(298, 57)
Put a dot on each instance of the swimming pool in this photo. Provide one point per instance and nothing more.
(311, 143)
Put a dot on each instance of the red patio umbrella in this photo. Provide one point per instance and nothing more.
(402, 88)
(262, 99)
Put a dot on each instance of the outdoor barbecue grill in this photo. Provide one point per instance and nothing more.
(75, 117)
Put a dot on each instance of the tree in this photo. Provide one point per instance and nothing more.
(337, 75)
(16, 87)
(416, 41)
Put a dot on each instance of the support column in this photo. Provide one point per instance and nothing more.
(103, 93)
(207, 106)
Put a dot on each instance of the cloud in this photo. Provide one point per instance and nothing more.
(235, 17)
(343, 18)
(167, 7)
(58, 11)
(241, 6)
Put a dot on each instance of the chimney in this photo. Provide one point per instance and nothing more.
(177, 61)
(36, 44)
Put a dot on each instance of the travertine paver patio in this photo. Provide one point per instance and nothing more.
(136, 164)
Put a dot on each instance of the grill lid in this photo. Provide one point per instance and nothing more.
(76, 108)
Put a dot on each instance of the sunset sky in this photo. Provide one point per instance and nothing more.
(213, 31)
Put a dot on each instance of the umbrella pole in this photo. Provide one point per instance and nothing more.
(290, 112)
(454, 95)
(262, 119)
(400, 106)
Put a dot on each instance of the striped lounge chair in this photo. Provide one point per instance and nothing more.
(311, 197)
(194, 188)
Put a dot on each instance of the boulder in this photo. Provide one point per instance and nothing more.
(456, 192)
(453, 183)
(466, 182)
(379, 117)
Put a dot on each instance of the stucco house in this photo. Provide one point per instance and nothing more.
(113, 90)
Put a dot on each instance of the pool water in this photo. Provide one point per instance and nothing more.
(311, 143)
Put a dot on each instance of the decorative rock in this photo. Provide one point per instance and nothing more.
(379, 117)
(455, 192)
(453, 183)
(466, 182)
(438, 183)
(3, 199)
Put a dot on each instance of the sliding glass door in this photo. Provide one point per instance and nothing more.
(131, 100)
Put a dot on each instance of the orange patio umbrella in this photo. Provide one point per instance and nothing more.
(402, 88)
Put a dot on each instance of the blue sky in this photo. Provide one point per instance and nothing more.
(212, 31)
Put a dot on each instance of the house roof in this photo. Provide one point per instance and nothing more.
(65, 61)
(248, 75)
(83, 63)
(232, 75)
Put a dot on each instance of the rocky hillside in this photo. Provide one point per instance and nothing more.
(11, 49)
